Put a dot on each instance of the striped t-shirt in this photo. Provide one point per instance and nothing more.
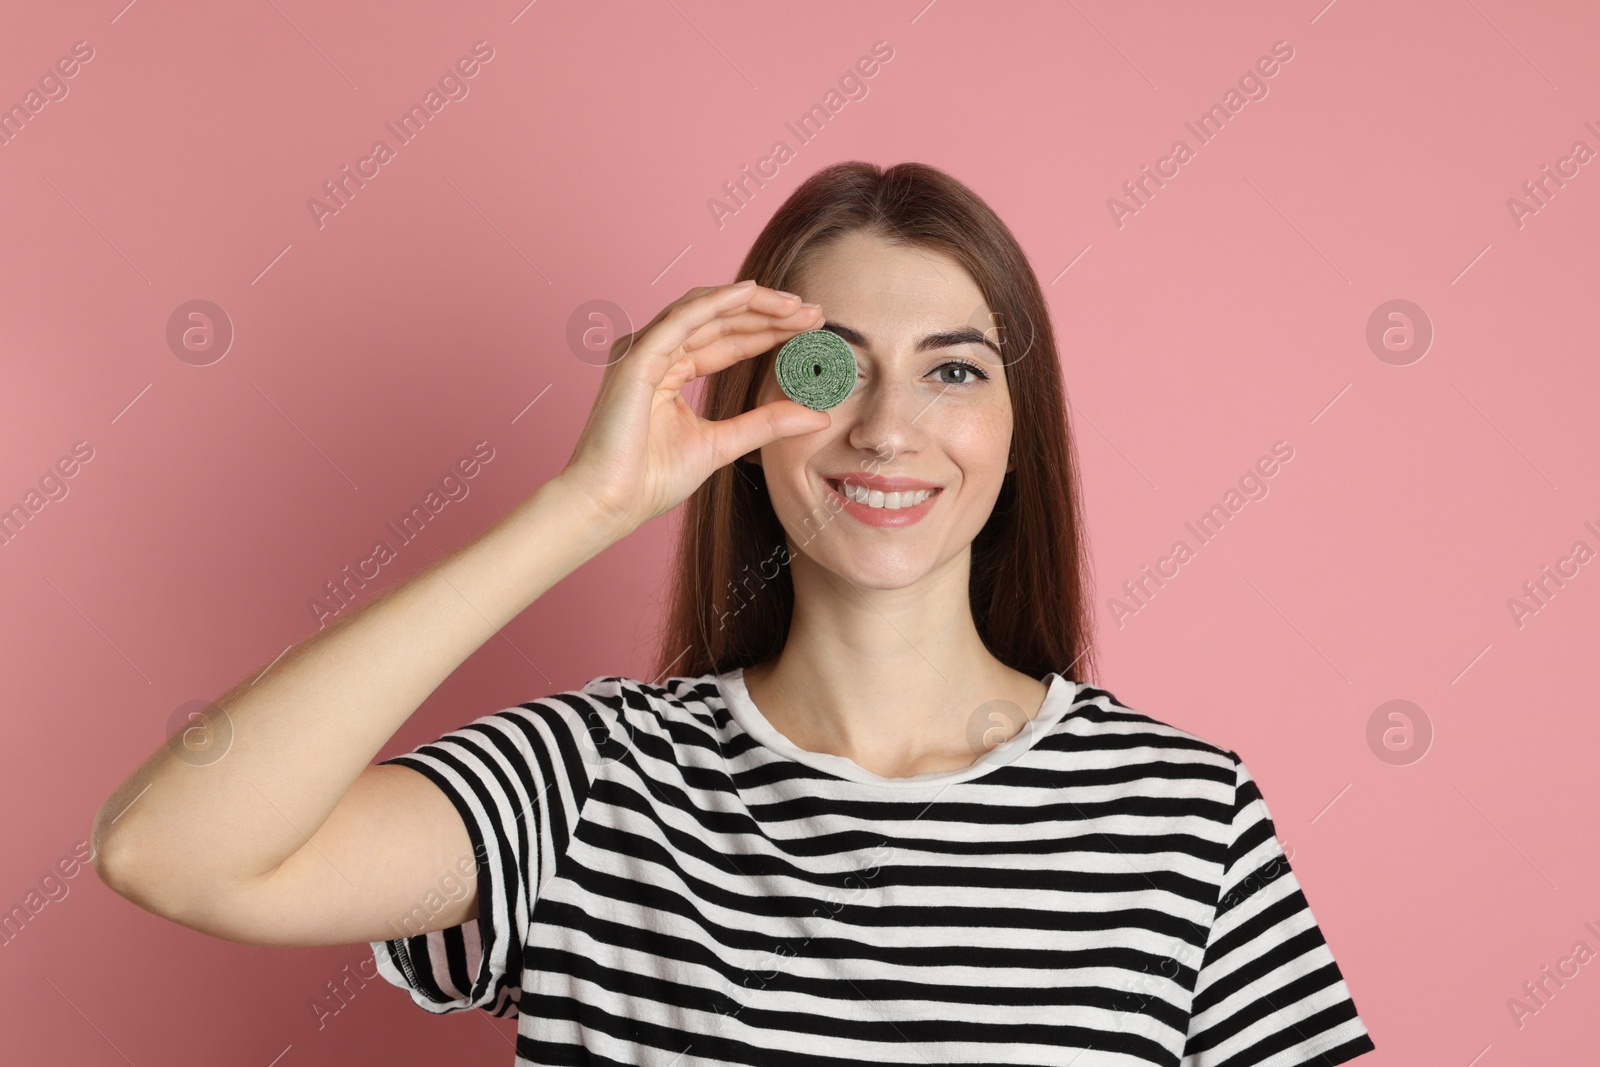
(664, 878)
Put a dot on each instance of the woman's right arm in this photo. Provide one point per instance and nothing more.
(291, 837)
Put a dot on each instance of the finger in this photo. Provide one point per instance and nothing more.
(764, 301)
(626, 354)
(729, 349)
(762, 425)
(622, 359)
(773, 301)
(751, 319)
(798, 321)
(697, 291)
(657, 343)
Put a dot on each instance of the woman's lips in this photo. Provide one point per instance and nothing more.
(883, 517)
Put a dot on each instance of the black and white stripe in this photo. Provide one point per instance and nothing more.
(665, 879)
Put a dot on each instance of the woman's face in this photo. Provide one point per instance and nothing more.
(930, 411)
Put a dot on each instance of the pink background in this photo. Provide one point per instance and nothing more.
(1229, 313)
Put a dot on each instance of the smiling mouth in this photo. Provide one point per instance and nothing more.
(879, 500)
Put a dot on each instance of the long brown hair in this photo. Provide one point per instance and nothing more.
(731, 594)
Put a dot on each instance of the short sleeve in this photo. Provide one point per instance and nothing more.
(1269, 993)
(518, 779)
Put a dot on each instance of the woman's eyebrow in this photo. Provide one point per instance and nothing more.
(967, 335)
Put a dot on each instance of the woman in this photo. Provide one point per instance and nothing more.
(869, 818)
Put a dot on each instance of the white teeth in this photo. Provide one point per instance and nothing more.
(876, 498)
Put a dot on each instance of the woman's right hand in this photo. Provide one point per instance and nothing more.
(288, 835)
(643, 450)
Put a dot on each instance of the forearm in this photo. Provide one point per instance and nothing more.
(304, 731)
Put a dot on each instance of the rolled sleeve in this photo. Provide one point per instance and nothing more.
(518, 779)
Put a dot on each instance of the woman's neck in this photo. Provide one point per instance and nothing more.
(896, 684)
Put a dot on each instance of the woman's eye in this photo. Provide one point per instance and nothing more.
(969, 370)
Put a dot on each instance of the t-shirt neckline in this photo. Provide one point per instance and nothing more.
(1058, 701)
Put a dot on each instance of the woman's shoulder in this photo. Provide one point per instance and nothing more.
(1096, 712)
(654, 704)
(626, 691)
(673, 685)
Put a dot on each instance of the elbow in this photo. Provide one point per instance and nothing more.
(128, 863)
(141, 861)
(137, 875)
(115, 863)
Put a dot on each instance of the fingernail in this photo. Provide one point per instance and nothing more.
(810, 305)
(780, 292)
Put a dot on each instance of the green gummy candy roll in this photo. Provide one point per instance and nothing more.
(817, 368)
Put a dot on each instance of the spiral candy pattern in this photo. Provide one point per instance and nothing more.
(817, 368)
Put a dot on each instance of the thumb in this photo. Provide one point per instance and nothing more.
(760, 426)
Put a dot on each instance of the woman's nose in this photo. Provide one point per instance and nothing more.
(885, 417)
